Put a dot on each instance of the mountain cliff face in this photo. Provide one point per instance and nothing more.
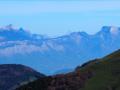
(99, 74)
(13, 76)
(21, 47)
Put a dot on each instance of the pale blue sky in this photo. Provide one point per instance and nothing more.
(58, 17)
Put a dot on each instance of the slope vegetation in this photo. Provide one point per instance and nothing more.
(99, 74)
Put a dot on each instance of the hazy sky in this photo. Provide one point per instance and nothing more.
(58, 17)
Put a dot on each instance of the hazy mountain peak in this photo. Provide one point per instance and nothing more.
(105, 29)
(79, 35)
(11, 28)
(7, 28)
(114, 30)
(110, 29)
(11, 33)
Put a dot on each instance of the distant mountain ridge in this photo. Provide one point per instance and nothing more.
(49, 55)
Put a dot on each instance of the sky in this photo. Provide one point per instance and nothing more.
(59, 17)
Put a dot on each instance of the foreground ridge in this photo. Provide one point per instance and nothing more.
(99, 74)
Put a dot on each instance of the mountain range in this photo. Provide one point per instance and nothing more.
(49, 55)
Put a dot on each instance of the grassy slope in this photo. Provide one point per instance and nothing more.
(107, 73)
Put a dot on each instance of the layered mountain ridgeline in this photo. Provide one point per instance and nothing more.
(22, 47)
(13, 76)
(99, 74)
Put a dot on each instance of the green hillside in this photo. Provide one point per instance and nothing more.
(107, 73)
(99, 74)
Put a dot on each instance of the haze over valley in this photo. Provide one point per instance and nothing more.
(49, 55)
